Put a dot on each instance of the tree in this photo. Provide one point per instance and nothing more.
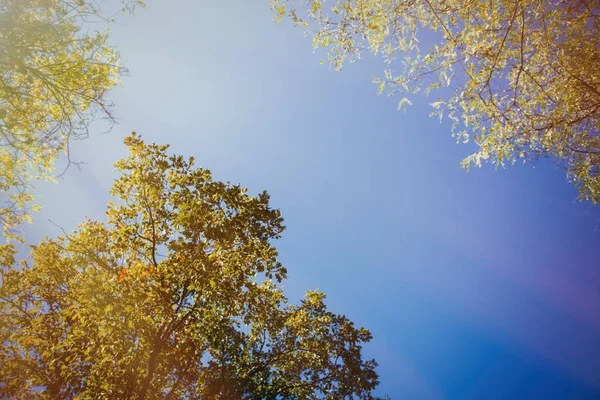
(177, 296)
(523, 75)
(55, 74)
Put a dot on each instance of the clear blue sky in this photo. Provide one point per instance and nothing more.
(479, 285)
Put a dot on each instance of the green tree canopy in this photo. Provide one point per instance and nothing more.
(55, 73)
(523, 75)
(177, 296)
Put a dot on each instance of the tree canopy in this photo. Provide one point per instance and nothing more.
(522, 77)
(55, 73)
(176, 296)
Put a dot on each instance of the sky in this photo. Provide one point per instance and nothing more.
(475, 285)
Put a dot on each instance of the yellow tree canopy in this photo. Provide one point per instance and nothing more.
(54, 79)
(523, 75)
(177, 296)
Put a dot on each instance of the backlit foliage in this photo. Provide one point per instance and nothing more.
(177, 296)
(523, 76)
(55, 73)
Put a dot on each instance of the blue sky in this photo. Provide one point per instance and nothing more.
(475, 285)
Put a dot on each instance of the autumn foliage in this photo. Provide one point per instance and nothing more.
(518, 78)
(176, 296)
